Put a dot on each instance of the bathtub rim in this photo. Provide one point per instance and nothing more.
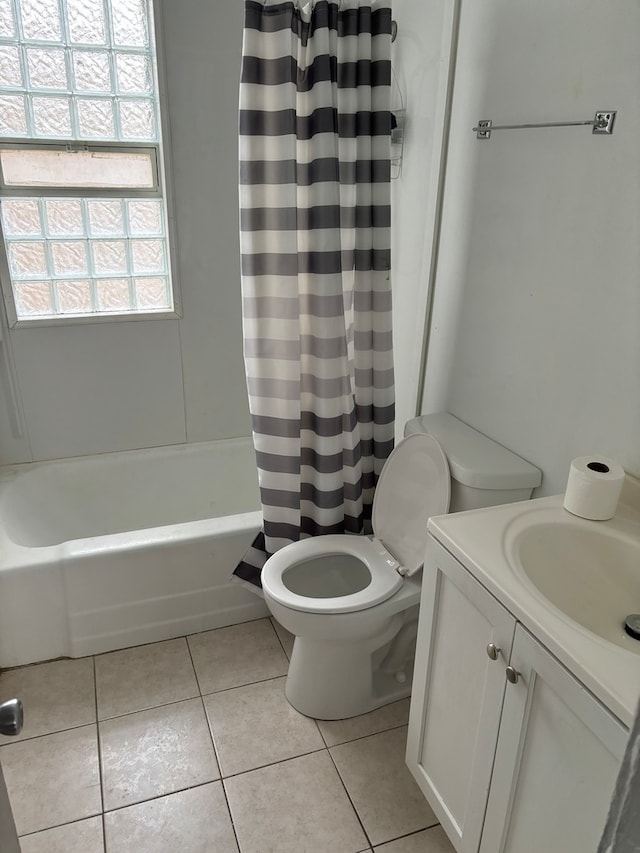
(18, 555)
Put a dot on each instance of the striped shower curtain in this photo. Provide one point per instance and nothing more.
(315, 243)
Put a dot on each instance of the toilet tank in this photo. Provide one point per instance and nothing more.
(483, 472)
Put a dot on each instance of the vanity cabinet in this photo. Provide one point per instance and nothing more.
(513, 754)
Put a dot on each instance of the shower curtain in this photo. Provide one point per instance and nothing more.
(315, 215)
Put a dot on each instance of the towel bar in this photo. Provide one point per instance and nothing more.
(601, 123)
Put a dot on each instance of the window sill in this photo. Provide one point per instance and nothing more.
(85, 319)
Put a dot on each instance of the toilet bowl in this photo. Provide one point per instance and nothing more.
(352, 601)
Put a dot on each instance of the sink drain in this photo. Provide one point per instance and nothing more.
(632, 625)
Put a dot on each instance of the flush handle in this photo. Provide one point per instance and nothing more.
(11, 717)
(493, 651)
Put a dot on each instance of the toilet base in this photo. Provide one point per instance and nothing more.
(335, 681)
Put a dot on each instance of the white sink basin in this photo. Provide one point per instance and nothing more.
(590, 574)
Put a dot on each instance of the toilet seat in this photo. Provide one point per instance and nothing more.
(414, 485)
(384, 579)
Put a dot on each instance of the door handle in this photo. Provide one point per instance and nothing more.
(11, 717)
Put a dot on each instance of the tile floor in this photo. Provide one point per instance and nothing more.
(190, 745)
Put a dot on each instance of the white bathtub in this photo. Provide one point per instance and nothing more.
(104, 552)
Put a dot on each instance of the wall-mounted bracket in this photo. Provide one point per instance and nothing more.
(483, 130)
(604, 121)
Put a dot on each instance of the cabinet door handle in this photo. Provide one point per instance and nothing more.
(493, 651)
(513, 675)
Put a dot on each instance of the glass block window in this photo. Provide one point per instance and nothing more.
(81, 204)
(77, 69)
(86, 256)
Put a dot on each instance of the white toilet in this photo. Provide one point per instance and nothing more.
(352, 602)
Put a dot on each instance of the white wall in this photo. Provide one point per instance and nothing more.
(117, 386)
(203, 47)
(420, 57)
(536, 327)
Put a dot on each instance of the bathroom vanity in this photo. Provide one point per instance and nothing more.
(525, 683)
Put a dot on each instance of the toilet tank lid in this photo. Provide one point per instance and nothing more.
(474, 459)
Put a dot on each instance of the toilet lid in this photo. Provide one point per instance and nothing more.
(414, 485)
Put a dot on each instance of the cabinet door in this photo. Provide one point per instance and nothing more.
(557, 759)
(457, 695)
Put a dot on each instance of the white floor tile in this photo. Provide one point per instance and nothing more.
(193, 821)
(53, 779)
(56, 696)
(84, 836)
(382, 719)
(240, 654)
(156, 752)
(298, 806)
(386, 797)
(144, 677)
(255, 725)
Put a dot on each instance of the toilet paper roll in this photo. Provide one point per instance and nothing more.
(593, 487)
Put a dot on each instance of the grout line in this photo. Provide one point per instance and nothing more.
(202, 696)
(273, 763)
(324, 740)
(129, 648)
(411, 834)
(389, 840)
(161, 796)
(233, 825)
(224, 790)
(58, 825)
(362, 737)
(15, 742)
(247, 684)
(222, 627)
(319, 730)
(18, 666)
(286, 653)
(149, 708)
(215, 750)
(211, 736)
(98, 742)
(102, 820)
(342, 782)
(193, 664)
(104, 832)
